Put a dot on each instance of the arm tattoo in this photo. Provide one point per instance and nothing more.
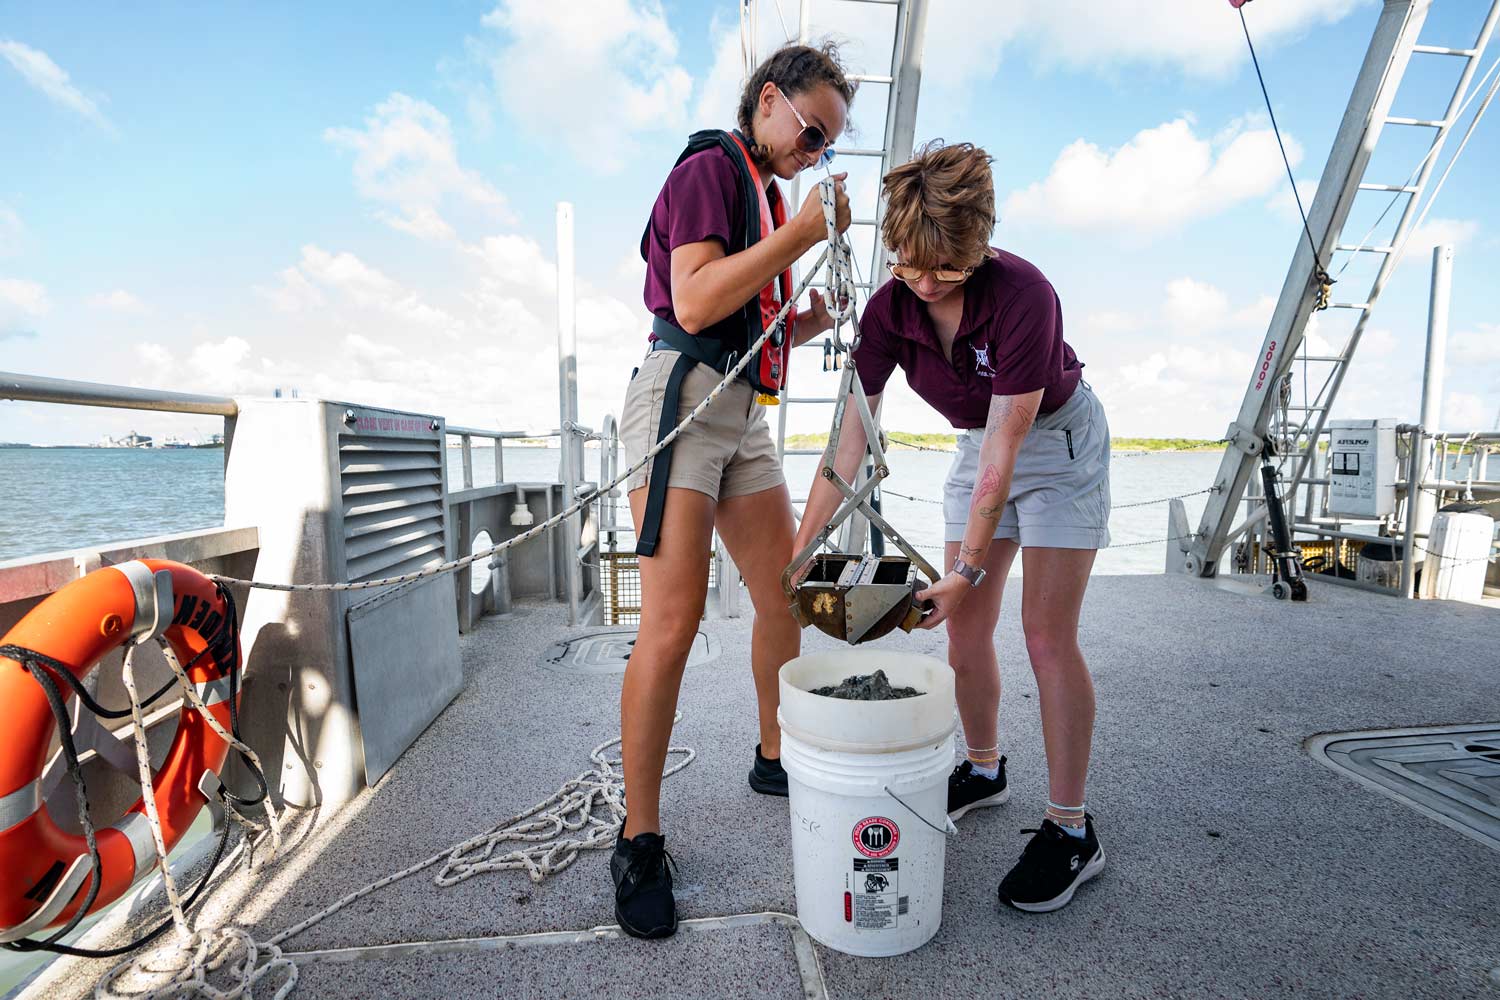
(1012, 414)
(985, 493)
(967, 551)
(1000, 411)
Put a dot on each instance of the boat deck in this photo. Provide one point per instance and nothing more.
(1239, 866)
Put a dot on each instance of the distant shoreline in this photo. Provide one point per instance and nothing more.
(944, 442)
(18, 445)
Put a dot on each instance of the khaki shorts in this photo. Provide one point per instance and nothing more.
(726, 452)
(1059, 492)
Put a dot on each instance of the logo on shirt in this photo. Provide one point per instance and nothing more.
(982, 360)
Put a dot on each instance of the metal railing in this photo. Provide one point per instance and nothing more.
(1427, 478)
(40, 389)
(570, 561)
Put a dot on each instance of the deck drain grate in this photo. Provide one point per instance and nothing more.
(607, 652)
(1450, 773)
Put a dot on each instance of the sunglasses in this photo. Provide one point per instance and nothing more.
(811, 139)
(946, 275)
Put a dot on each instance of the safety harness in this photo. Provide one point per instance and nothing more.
(722, 345)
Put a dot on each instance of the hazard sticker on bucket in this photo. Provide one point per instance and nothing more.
(876, 836)
(877, 900)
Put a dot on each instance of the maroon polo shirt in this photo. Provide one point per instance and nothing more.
(1009, 342)
(699, 201)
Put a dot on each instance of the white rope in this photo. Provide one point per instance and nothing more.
(750, 356)
(838, 283)
(180, 968)
(543, 830)
(586, 813)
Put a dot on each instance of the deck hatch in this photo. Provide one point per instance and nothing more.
(1449, 773)
(607, 652)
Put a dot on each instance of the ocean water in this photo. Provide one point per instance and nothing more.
(64, 498)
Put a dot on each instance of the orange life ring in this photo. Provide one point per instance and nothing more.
(77, 626)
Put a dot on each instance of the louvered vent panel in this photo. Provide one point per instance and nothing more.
(392, 492)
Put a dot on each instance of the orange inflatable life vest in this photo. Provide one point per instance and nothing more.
(44, 869)
(722, 345)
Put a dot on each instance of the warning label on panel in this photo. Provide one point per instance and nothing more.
(877, 896)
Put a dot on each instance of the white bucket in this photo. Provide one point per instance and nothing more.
(869, 800)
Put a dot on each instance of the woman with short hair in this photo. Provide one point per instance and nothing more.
(978, 332)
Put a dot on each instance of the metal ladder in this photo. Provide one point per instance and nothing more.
(903, 79)
(1270, 407)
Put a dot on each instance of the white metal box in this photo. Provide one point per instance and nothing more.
(1362, 467)
(1457, 555)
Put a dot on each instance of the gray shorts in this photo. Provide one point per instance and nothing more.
(727, 452)
(1059, 494)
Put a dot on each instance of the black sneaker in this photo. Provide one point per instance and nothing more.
(641, 868)
(767, 776)
(1052, 868)
(967, 790)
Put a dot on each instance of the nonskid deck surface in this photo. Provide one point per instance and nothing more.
(1239, 866)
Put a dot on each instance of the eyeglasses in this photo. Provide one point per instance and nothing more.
(811, 139)
(946, 275)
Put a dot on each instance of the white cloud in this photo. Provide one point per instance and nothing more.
(1378, 342)
(590, 76)
(1193, 306)
(1284, 204)
(222, 366)
(38, 70)
(719, 94)
(24, 297)
(405, 156)
(211, 360)
(1197, 39)
(155, 360)
(1480, 346)
(120, 301)
(1176, 368)
(294, 294)
(11, 231)
(517, 260)
(1434, 232)
(631, 269)
(369, 338)
(1162, 178)
(423, 223)
(22, 302)
(304, 286)
(1466, 411)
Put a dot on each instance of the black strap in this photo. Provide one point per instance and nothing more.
(702, 349)
(661, 466)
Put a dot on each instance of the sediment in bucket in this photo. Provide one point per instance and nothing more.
(868, 798)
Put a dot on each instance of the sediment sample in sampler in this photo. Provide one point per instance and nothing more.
(867, 687)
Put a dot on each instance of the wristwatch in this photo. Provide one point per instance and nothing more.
(974, 575)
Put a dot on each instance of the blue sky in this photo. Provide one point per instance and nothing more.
(358, 202)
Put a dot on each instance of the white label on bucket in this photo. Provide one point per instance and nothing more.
(877, 895)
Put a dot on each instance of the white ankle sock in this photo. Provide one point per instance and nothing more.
(990, 770)
(1073, 813)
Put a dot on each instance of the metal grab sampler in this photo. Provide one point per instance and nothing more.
(851, 596)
